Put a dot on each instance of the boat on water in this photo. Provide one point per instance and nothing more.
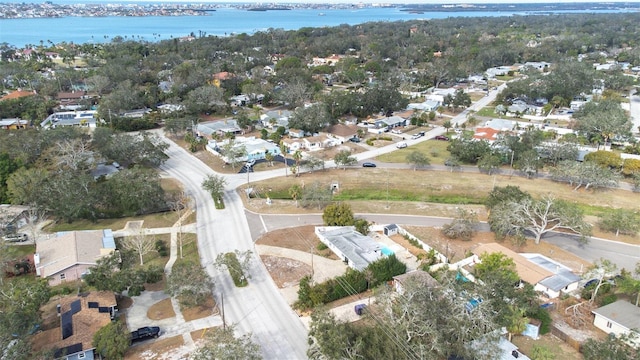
(321, 14)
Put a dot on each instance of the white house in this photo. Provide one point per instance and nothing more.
(355, 249)
(618, 318)
(562, 280)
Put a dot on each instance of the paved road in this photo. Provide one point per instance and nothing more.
(257, 308)
(622, 254)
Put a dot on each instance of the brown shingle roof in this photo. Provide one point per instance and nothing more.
(527, 271)
(68, 249)
(343, 130)
(86, 322)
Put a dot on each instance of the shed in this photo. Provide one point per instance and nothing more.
(390, 229)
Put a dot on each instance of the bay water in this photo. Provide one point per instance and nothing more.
(222, 22)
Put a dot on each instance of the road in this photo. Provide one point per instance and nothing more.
(257, 308)
(622, 254)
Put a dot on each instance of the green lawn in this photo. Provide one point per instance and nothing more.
(435, 150)
(164, 219)
(488, 111)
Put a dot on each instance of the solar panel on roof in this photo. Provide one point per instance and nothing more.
(76, 306)
(67, 324)
(93, 305)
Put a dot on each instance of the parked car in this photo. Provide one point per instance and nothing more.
(368, 164)
(418, 135)
(442, 137)
(401, 145)
(355, 139)
(16, 237)
(145, 333)
(396, 131)
(360, 308)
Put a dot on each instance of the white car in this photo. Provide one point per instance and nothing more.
(401, 145)
(395, 131)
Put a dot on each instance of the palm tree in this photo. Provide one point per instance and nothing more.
(297, 156)
(283, 150)
(295, 191)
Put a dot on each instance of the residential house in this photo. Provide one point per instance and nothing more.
(257, 149)
(221, 76)
(81, 316)
(136, 113)
(527, 271)
(486, 133)
(219, 127)
(317, 142)
(562, 280)
(13, 124)
(293, 144)
(17, 94)
(538, 65)
(66, 256)
(276, 118)
(618, 318)
(578, 102)
(355, 249)
(390, 122)
(342, 132)
(417, 277)
(71, 100)
(427, 105)
(71, 118)
(296, 133)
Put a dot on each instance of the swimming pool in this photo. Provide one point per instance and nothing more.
(386, 251)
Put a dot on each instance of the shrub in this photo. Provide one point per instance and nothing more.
(608, 299)
(322, 246)
(161, 248)
(351, 283)
(542, 315)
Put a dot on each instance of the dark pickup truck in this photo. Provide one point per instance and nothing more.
(145, 332)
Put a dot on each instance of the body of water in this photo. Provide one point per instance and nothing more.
(224, 21)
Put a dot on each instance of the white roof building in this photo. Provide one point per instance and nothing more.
(357, 250)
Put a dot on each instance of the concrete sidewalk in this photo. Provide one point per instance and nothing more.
(137, 314)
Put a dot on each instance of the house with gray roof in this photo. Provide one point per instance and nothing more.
(390, 122)
(562, 280)
(276, 118)
(220, 127)
(355, 249)
(66, 256)
(618, 318)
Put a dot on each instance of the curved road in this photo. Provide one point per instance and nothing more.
(258, 308)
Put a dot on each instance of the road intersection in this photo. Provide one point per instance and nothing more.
(258, 308)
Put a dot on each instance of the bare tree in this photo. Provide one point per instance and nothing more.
(141, 243)
(601, 270)
(538, 217)
(37, 217)
(74, 154)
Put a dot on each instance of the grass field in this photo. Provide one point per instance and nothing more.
(435, 150)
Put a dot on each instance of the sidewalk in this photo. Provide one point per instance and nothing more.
(136, 315)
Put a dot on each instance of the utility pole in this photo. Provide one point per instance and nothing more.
(224, 323)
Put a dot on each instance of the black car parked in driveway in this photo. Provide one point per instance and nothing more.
(368, 164)
(145, 333)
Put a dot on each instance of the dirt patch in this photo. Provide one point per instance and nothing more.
(199, 334)
(302, 238)
(284, 271)
(159, 286)
(161, 310)
(557, 347)
(124, 302)
(163, 349)
(198, 312)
